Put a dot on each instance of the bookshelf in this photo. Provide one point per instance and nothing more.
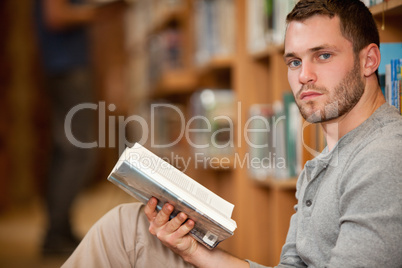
(262, 207)
(174, 82)
(390, 8)
(167, 16)
(388, 18)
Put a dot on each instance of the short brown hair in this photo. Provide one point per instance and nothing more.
(356, 21)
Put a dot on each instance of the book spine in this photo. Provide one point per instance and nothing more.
(293, 135)
(220, 114)
(279, 141)
(388, 83)
(400, 85)
(215, 29)
(260, 142)
(393, 81)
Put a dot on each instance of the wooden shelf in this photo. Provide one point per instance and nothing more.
(267, 52)
(175, 14)
(216, 72)
(278, 184)
(217, 63)
(174, 82)
(390, 8)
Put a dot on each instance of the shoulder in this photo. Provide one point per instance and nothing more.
(375, 158)
(381, 139)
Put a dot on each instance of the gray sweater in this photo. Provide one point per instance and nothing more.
(349, 211)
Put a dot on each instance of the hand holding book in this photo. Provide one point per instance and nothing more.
(174, 232)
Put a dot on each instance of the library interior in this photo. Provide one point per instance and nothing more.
(200, 83)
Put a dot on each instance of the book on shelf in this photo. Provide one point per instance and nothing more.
(275, 139)
(279, 141)
(370, 3)
(212, 123)
(142, 174)
(167, 123)
(390, 73)
(394, 88)
(287, 137)
(281, 9)
(266, 22)
(261, 149)
(293, 135)
(214, 29)
(165, 52)
(260, 24)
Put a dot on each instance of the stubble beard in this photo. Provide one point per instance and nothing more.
(343, 98)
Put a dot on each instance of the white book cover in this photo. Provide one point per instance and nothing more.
(142, 174)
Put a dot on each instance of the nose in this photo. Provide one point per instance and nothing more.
(307, 74)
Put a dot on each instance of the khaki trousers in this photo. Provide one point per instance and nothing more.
(121, 239)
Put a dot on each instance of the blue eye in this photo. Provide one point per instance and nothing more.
(294, 63)
(325, 56)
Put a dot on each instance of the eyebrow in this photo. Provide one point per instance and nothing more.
(311, 50)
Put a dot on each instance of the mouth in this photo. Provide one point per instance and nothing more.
(308, 95)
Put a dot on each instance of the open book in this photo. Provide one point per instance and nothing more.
(142, 174)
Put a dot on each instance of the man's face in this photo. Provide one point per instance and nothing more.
(322, 70)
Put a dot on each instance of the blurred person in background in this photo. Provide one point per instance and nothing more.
(64, 48)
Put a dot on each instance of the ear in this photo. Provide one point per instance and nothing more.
(371, 59)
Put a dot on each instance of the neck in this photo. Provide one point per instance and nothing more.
(367, 105)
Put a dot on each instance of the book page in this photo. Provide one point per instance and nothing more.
(138, 155)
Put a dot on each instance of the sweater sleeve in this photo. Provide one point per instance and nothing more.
(371, 208)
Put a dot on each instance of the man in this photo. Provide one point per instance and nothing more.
(64, 47)
(349, 211)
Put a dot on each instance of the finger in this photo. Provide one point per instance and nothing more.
(163, 216)
(150, 209)
(176, 222)
(185, 228)
(180, 239)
